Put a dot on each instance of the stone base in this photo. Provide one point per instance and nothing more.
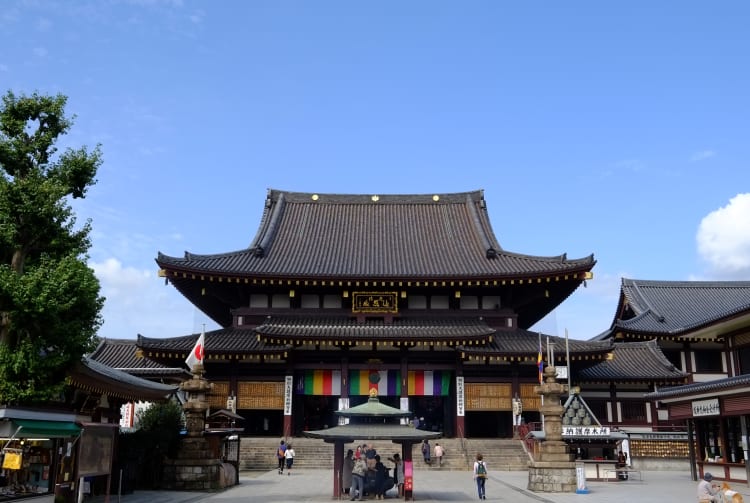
(552, 477)
(194, 469)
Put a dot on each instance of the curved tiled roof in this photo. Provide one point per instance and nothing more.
(740, 382)
(225, 340)
(387, 236)
(122, 354)
(95, 376)
(403, 329)
(676, 307)
(524, 342)
(634, 361)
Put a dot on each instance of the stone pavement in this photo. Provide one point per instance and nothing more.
(431, 486)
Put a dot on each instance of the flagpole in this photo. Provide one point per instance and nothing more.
(567, 359)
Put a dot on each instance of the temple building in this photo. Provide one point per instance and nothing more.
(703, 329)
(410, 294)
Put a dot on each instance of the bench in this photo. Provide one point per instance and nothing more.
(612, 473)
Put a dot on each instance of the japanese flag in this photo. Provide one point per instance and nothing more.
(196, 355)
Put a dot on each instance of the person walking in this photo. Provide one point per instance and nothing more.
(439, 452)
(346, 471)
(480, 475)
(289, 456)
(281, 456)
(357, 490)
(426, 451)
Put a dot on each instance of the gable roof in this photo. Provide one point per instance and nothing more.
(440, 236)
(678, 308)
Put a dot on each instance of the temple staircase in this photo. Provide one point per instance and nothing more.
(259, 453)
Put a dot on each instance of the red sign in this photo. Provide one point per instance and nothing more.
(408, 484)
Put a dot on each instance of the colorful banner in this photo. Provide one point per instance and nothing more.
(389, 383)
(320, 382)
(429, 382)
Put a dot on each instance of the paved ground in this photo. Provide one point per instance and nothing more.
(432, 486)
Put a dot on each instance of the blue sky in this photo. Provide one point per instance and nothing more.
(614, 128)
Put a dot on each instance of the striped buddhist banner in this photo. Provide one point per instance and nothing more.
(320, 382)
(429, 382)
(388, 385)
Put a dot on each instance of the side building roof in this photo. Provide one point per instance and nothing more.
(90, 375)
(634, 362)
(679, 308)
(123, 355)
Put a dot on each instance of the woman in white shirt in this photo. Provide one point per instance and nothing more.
(289, 455)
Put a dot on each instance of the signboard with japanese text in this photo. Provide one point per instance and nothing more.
(459, 396)
(708, 407)
(585, 431)
(288, 388)
(375, 302)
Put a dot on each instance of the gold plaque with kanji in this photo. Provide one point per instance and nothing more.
(374, 302)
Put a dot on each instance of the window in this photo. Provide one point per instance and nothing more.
(599, 409)
(744, 356)
(417, 302)
(258, 300)
(309, 302)
(280, 300)
(470, 302)
(439, 302)
(707, 360)
(633, 412)
(332, 302)
(491, 302)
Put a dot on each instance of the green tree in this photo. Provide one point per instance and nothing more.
(49, 298)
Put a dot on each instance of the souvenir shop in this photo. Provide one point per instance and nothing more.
(33, 443)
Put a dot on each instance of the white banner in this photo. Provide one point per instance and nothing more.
(288, 385)
(459, 396)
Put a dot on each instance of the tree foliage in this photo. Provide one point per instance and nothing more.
(49, 298)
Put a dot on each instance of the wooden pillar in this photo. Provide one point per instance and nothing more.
(691, 450)
(338, 464)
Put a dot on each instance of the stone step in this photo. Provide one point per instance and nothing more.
(259, 453)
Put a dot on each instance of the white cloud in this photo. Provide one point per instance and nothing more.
(138, 302)
(702, 155)
(723, 239)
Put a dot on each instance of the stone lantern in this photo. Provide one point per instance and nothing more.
(554, 471)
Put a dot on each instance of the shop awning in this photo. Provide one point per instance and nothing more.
(49, 429)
